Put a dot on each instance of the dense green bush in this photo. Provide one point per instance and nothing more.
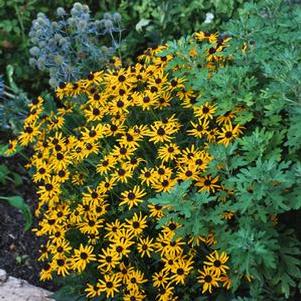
(262, 170)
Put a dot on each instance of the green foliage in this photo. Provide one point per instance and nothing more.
(260, 172)
(13, 106)
(19, 203)
(158, 21)
(190, 210)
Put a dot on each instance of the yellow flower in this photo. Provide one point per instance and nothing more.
(108, 260)
(109, 285)
(11, 148)
(217, 261)
(208, 183)
(137, 224)
(92, 290)
(181, 270)
(228, 133)
(208, 279)
(145, 246)
(82, 257)
(132, 197)
(205, 111)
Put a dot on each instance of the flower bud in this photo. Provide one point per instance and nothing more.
(108, 24)
(32, 62)
(34, 51)
(117, 17)
(107, 16)
(86, 8)
(60, 12)
(58, 59)
(52, 82)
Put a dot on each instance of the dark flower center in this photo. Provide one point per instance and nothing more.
(96, 96)
(113, 127)
(228, 134)
(60, 262)
(207, 182)
(91, 76)
(160, 131)
(121, 78)
(42, 170)
(188, 173)
(48, 187)
(96, 112)
(172, 226)
(161, 171)
(94, 194)
(120, 103)
(109, 284)
(208, 278)
(165, 183)
(121, 172)
(83, 255)
(131, 196)
(29, 129)
(92, 133)
(59, 156)
(217, 263)
(62, 85)
(136, 225)
(205, 110)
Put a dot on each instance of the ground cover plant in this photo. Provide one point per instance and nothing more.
(176, 177)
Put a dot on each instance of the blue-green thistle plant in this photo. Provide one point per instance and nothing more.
(74, 44)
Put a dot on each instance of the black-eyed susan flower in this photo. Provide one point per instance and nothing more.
(109, 285)
(61, 265)
(168, 152)
(199, 129)
(108, 260)
(228, 133)
(160, 133)
(147, 176)
(181, 270)
(11, 148)
(207, 183)
(208, 279)
(155, 211)
(46, 272)
(160, 279)
(145, 246)
(132, 197)
(216, 262)
(123, 173)
(30, 132)
(92, 291)
(205, 111)
(137, 223)
(82, 257)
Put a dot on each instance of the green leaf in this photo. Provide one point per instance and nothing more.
(19, 203)
(4, 171)
(142, 23)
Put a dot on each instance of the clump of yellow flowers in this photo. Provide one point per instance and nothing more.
(116, 139)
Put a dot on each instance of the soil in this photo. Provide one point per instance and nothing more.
(19, 249)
